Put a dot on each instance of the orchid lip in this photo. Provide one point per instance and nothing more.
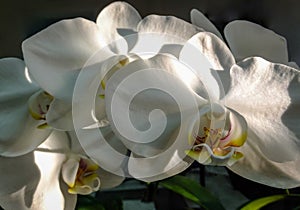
(80, 175)
(38, 105)
(227, 135)
(228, 155)
(218, 138)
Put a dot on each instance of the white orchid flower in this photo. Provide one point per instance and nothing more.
(51, 171)
(264, 88)
(98, 56)
(52, 176)
(23, 109)
(261, 42)
(56, 70)
(81, 39)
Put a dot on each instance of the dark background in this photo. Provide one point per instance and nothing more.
(21, 19)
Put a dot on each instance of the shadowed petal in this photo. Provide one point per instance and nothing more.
(259, 168)
(24, 137)
(110, 170)
(294, 65)
(199, 19)
(15, 80)
(109, 180)
(18, 130)
(146, 101)
(89, 99)
(248, 39)
(102, 146)
(39, 187)
(157, 167)
(59, 115)
(11, 167)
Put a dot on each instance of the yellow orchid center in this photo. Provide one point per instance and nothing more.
(81, 176)
(38, 105)
(218, 137)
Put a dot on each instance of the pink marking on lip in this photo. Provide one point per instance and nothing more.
(227, 135)
(82, 164)
(40, 109)
(199, 139)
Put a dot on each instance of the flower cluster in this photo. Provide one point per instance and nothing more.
(93, 103)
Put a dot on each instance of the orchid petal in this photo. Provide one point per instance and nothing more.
(171, 49)
(26, 136)
(10, 167)
(293, 64)
(156, 31)
(214, 49)
(39, 186)
(110, 180)
(79, 172)
(145, 102)
(16, 200)
(15, 91)
(89, 99)
(234, 158)
(117, 15)
(157, 168)
(56, 54)
(49, 158)
(102, 146)
(267, 96)
(89, 116)
(59, 115)
(167, 163)
(203, 156)
(15, 80)
(70, 200)
(248, 39)
(88, 185)
(151, 44)
(88, 104)
(203, 53)
(237, 132)
(259, 168)
(69, 171)
(167, 25)
(199, 19)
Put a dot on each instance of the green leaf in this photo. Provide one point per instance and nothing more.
(261, 202)
(193, 191)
